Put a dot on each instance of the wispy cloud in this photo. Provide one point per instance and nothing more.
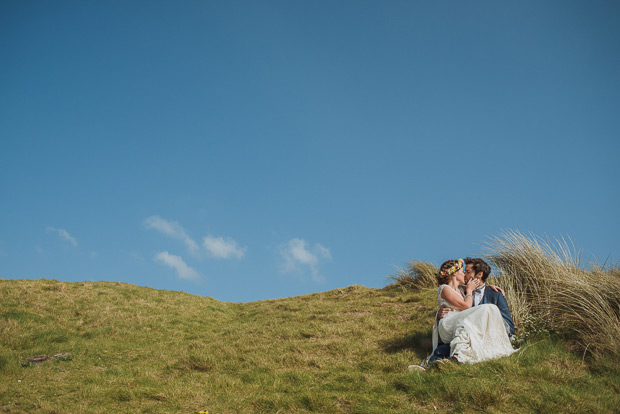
(63, 234)
(298, 257)
(137, 257)
(172, 229)
(221, 248)
(178, 264)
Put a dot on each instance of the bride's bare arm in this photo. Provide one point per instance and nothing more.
(456, 300)
(497, 289)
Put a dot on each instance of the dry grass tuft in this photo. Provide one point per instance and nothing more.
(547, 284)
(416, 276)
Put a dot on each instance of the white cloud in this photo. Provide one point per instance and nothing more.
(63, 234)
(322, 251)
(298, 257)
(172, 229)
(177, 263)
(221, 248)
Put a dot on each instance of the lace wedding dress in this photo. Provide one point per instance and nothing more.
(475, 334)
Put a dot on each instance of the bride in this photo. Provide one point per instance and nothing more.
(476, 333)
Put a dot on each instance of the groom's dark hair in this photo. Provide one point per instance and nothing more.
(479, 266)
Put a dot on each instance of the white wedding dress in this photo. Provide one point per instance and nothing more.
(475, 334)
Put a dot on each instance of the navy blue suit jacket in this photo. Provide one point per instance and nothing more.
(490, 296)
(496, 298)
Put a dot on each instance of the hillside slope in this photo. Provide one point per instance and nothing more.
(136, 349)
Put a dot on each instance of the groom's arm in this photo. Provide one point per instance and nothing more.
(442, 311)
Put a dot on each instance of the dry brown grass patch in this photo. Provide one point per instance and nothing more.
(415, 276)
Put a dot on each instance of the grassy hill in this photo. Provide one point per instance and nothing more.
(140, 350)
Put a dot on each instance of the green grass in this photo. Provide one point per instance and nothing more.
(140, 350)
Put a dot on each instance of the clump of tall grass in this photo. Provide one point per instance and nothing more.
(547, 285)
(416, 275)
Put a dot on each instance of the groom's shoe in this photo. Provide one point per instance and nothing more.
(441, 364)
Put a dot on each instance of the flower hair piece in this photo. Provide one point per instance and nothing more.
(458, 265)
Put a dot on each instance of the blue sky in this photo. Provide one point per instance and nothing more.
(251, 150)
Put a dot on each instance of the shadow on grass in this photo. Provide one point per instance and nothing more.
(420, 343)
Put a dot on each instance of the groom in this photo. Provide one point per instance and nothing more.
(477, 269)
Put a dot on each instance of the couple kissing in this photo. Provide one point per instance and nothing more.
(473, 323)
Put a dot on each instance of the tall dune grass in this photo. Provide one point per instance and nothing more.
(546, 282)
(415, 276)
